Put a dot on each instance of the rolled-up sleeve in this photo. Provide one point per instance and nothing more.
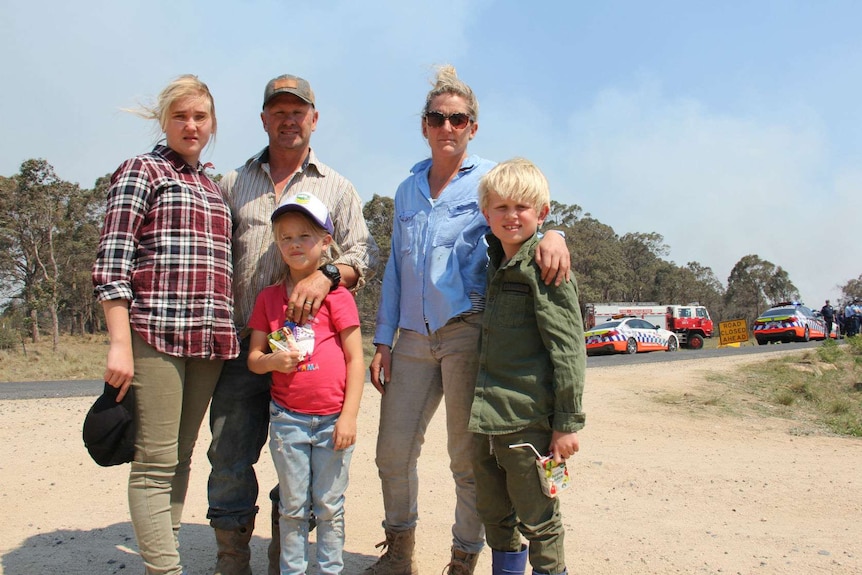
(127, 206)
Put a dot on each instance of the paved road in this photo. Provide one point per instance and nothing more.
(93, 388)
(43, 389)
(688, 354)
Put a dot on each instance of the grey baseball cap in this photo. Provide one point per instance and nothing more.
(287, 84)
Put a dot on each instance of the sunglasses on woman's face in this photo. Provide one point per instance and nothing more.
(457, 120)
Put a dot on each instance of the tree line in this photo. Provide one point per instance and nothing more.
(49, 232)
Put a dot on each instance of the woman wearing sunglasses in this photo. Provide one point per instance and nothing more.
(432, 297)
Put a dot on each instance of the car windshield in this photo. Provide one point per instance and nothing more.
(607, 325)
(782, 311)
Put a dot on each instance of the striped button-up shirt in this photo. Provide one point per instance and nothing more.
(251, 194)
(166, 248)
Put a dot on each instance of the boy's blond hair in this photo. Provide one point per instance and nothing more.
(517, 179)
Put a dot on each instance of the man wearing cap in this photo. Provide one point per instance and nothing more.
(239, 413)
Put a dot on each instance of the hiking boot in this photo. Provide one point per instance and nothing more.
(398, 558)
(233, 550)
(462, 563)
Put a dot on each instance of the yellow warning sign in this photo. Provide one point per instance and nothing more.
(733, 331)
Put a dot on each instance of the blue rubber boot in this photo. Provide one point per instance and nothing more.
(509, 562)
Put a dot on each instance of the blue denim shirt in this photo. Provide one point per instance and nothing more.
(438, 255)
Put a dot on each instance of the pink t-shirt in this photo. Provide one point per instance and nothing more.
(317, 387)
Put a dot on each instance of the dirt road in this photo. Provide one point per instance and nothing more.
(666, 482)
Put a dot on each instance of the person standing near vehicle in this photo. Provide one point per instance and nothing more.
(239, 415)
(856, 308)
(163, 276)
(828, 313)
(851, 322)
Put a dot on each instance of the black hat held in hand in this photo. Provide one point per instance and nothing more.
(109, 428)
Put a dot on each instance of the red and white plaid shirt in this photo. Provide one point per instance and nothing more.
(166, 247)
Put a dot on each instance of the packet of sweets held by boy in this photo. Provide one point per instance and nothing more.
(554, 477)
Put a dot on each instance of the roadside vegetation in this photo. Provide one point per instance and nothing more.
(79, 357)
(820, 388)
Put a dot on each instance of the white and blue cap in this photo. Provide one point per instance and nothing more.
(308, 204)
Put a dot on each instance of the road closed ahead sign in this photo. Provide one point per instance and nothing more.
(733, 331)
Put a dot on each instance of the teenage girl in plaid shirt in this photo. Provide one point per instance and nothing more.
(163, 276)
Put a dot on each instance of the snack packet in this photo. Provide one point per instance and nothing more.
(281, 340)
(292, 336)
(554, 477)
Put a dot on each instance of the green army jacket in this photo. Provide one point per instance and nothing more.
(532, 359)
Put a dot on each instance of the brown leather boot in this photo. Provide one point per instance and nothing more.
(399, 558)
(233, 550)
(462, 563)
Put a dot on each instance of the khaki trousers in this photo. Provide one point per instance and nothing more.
(172, 395)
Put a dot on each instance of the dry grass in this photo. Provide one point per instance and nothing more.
(822, 388)
(77, 358)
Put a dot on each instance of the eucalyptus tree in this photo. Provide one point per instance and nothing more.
(754, 284)
(34, 208)
(642, 254)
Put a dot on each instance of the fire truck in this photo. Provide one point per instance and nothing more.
(596, 313)
(690, 322)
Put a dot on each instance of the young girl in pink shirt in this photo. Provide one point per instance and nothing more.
(317, 378)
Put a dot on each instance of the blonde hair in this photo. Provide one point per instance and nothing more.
(187, 85)
(517, 179)
(447, 82)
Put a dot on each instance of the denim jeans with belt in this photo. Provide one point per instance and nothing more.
(425, 369)
(312, 477)
(239, 420)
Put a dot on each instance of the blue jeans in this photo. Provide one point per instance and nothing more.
(239, 420)
(425, 370)
(312, 477)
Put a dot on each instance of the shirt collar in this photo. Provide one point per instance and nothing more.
(175, 160)
(469, 164)
(496, 254)
(310, 160)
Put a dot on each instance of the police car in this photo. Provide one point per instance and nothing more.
(628, 334)
(788, 321)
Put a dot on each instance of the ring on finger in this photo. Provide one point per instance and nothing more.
(308, 304)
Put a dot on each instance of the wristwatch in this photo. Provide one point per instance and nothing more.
(331, 271)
